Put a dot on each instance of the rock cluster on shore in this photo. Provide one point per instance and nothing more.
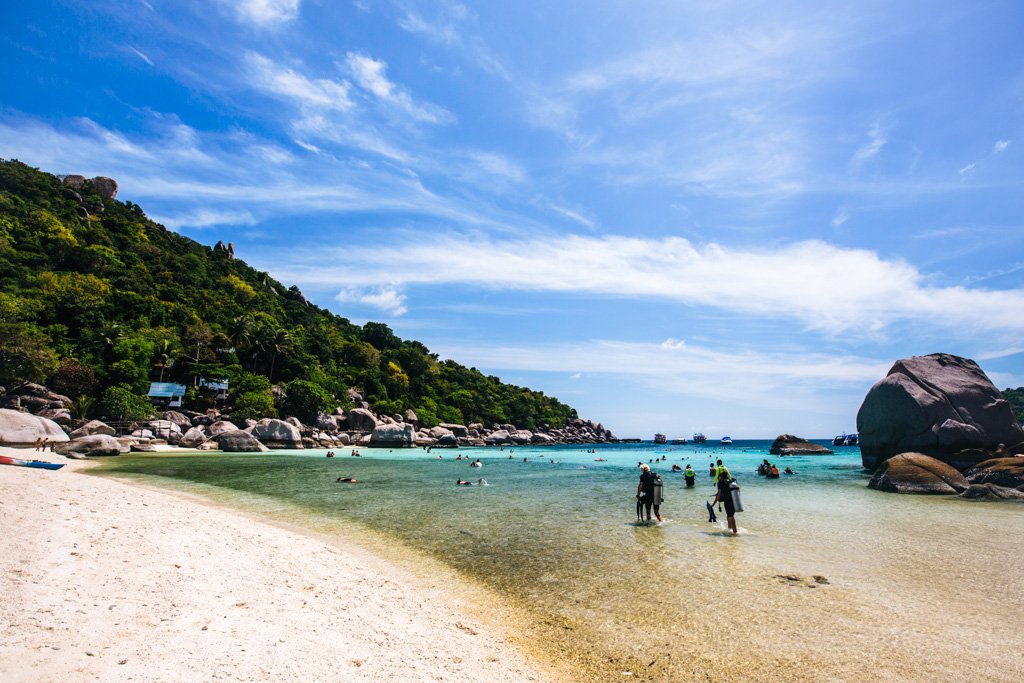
(34, 412)
(936, 424)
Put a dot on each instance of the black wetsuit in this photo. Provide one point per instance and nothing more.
(725, 495)
(646, 491)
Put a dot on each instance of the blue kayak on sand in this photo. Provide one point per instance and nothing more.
(38, 464)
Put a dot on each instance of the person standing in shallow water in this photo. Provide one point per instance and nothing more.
(724, 496)
(645, 492)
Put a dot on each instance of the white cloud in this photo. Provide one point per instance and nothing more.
(371, 75)
(967, 169)
(842, 215)
(141, 55)
(1000, 146)
(204, 218)
(573, 215)
(386, 299)
(743, 375)
(264, 13)
(287, 84)
(827, 288)
(870, 149)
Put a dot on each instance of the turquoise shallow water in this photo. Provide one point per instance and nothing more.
(555, 535)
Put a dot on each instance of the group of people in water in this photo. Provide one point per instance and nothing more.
(767, 469)
(649, 492)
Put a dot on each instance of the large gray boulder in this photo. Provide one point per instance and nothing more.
(239, 441)
(787, 444)
(61, 416)
(940, 405)
(179, 419)
(456, 429)
(326, 423)
(221, 427)
(917, 473)
(93, 445)
(277, 433)
(192, 438)
(361, 420)
(497, 437)
(393, 436)
(22, 429)
(439, 431)
(39, 391)
(93, 427)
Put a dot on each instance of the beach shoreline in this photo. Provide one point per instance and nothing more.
(109, 580)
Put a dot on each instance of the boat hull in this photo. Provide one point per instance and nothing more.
(37, 464)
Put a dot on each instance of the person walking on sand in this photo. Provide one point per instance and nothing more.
(724, 497)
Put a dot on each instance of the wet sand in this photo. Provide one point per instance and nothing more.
(107, 581)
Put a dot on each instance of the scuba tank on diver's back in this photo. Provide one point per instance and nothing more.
(734, 491)
(658, 490)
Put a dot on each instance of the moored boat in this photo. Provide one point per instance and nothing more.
(679, 442)
(726, 440)
(38, 464)
(699, 438)
(660, 438)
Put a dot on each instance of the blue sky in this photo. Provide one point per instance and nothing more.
(714, 216)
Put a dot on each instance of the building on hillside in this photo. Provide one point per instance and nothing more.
(166, 394)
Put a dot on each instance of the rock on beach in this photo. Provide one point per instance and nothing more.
(917, 473)
(940, 405)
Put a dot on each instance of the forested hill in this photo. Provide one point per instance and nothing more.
(97, 300)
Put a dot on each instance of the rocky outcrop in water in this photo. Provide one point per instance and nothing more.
(787, 444)
(917, 473)
(940, 405)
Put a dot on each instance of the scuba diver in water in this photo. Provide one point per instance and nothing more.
(690, 476)
(648, 493)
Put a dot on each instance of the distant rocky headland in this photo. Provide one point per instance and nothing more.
(32, 412)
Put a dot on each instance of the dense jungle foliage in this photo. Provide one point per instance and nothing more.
(97, 307)
(1016, 399)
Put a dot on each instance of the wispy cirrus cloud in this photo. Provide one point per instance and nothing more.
(371, 75)
(870, 149)
(263, 13)
(750, 376)
(295, 88)
(386, 299)
(826, 288)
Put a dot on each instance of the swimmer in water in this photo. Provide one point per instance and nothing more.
(462, 482)
(347, 480)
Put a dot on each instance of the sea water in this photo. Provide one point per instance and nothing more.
(827, 580)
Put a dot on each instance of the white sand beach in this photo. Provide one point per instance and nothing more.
(107, 581)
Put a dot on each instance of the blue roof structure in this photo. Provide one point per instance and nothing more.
(216, 386)
(165, 390)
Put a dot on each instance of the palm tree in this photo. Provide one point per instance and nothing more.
(281, 342)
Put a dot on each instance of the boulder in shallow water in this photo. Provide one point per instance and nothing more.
(940, 405)
(787, 444)
(1005, 472)
(917, 473)
(992, 492)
